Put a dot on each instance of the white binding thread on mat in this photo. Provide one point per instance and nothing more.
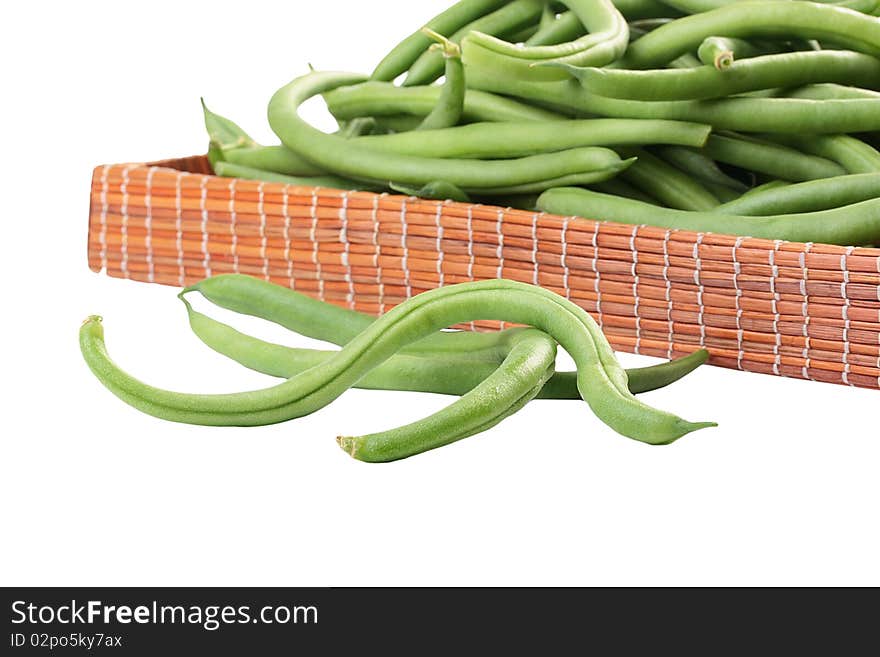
(535, 277)
(635, 288)
(737, 269)
(404, 262)
(178, 227)
(261, 210)
(595, 267)
(698, 267)
(313, 236)
(102, 233)
(438, 222)
(774, 274)
(470, 247)
(346, 249)
(671, 337)
(846, 321)
(802, 259)
(377, 252)
(563, 257)
(499, 253)
(203, 207)
(148, 226)
(285, 213)
(123, 263)
(233, 218)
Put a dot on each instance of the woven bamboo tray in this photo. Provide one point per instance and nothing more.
(809, 311)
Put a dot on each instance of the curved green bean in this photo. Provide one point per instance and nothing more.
(811, 196)
(763, 72)
(506, 140)
(408, 51)
(432, 369)
(450, 104)
(784, 115)
(848, 225)
(775, 160)
(509, 17)
(670, 186)
(805, 20)
(606, 40)
(349, 158)
(601, 380)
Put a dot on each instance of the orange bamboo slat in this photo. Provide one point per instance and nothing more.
(801, 310)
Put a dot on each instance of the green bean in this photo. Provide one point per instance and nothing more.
(764, 72)
(811, 196)
(567, 27)
(601, 380)
(510, 17)
(278, 159)
(785, 115)
(848, 225)
(302, 314)
(450, 105)
(354, 160)
(438, 190)
(667, 184)
(390, 125)
(687, 60)
(772, 159)
(699, 166)
(638, 9)
(808, 20)
(524, 34)
(408, 51)
(224, 132)
(505, 140)
(700, 6)
(230, 170)
(723, 193)
(439, 363)
(528, 365)
(381, 99)
(830, 92)
(854, 155)
(359, 127)
(606, 41)
(770, 184)
(721, 52)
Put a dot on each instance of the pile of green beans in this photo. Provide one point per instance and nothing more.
(494, 375)
(680, 105)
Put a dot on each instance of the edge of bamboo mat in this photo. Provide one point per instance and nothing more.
(802, 310)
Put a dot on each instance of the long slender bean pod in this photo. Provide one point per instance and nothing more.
(509, 17)
(450, 105)
(784, 115)
(670, 186)
(230, 170)
(506, 140)
(762, 18)
(854, 155)
(567, 27)
(769, 158)
(404, 55)
(606, 40)
(764, 72)
(830, 91)
(601, 380)
(432, 368)
(811, 196)
(847, 225)
(699, 166)
(721, 52)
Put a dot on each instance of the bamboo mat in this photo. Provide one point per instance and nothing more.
(801, 310)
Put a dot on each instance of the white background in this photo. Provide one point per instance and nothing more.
(785, 491)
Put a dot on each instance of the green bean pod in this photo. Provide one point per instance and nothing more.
(854, 155)
(450, 105)
(506, 140)
(510, 17)
(670, 186)
(811, 196)
(699, 166)
(703, 82)
(429, 369)
(772, 159)
(230, 170)
(806, 20)
(830, 91)
(439, 190)
(721, 52)
(601, 380)
(847, 225)
(408, 51)
(606, 40)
